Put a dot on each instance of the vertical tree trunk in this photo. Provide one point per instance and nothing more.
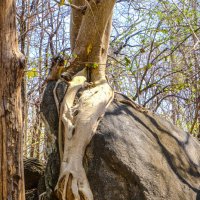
(196, 120)
(38, 120)
(11, 68)
(22, 43)
(173, 83)
(33, 140)
(22, 39)
(90, 34)
(25, 102)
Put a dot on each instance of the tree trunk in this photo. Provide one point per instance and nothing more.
(22, 39)
(78, 119)
(12, 69)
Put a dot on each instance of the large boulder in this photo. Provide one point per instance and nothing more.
(33, 171)
(134, 155)
(33, 175)
(31, 194)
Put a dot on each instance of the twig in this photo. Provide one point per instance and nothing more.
(81, 8)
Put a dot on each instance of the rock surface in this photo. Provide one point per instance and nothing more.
(33, 171)
(134, 155)
(31, 194)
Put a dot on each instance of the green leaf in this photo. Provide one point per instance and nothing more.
(32, 73)
(95, 65)
(74, 55)
(127, 61)
(62, 2)
(160, 14)
(65, 63)
(89, 49)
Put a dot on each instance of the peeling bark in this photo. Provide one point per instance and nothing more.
(79, 115)
(77, 133)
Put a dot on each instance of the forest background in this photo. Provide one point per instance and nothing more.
(154, 59)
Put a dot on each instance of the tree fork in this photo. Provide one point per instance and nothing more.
(92, 41)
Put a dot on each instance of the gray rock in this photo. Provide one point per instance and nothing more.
(33, 171)
(136, 155)
(31, 194)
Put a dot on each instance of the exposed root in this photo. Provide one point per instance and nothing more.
(72, 182)
(65, 115)
(55, 95)
(80, 123)
(42, 196)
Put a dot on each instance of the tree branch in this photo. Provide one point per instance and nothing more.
(81, 8)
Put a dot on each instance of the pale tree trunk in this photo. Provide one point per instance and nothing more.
(22, 38)
(38, 128)
(78, 119)
(12, 70)
(25, 102)
(173, 99)
(90, 39)
(196, 120)
(33, 140)
(36, 133)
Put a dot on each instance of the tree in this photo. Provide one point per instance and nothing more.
(143, 51)
(139, 60)
(12, 70)
(90, 32)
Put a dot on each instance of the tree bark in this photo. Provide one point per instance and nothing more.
(12, 70)
(78, 119)
(90, 39)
